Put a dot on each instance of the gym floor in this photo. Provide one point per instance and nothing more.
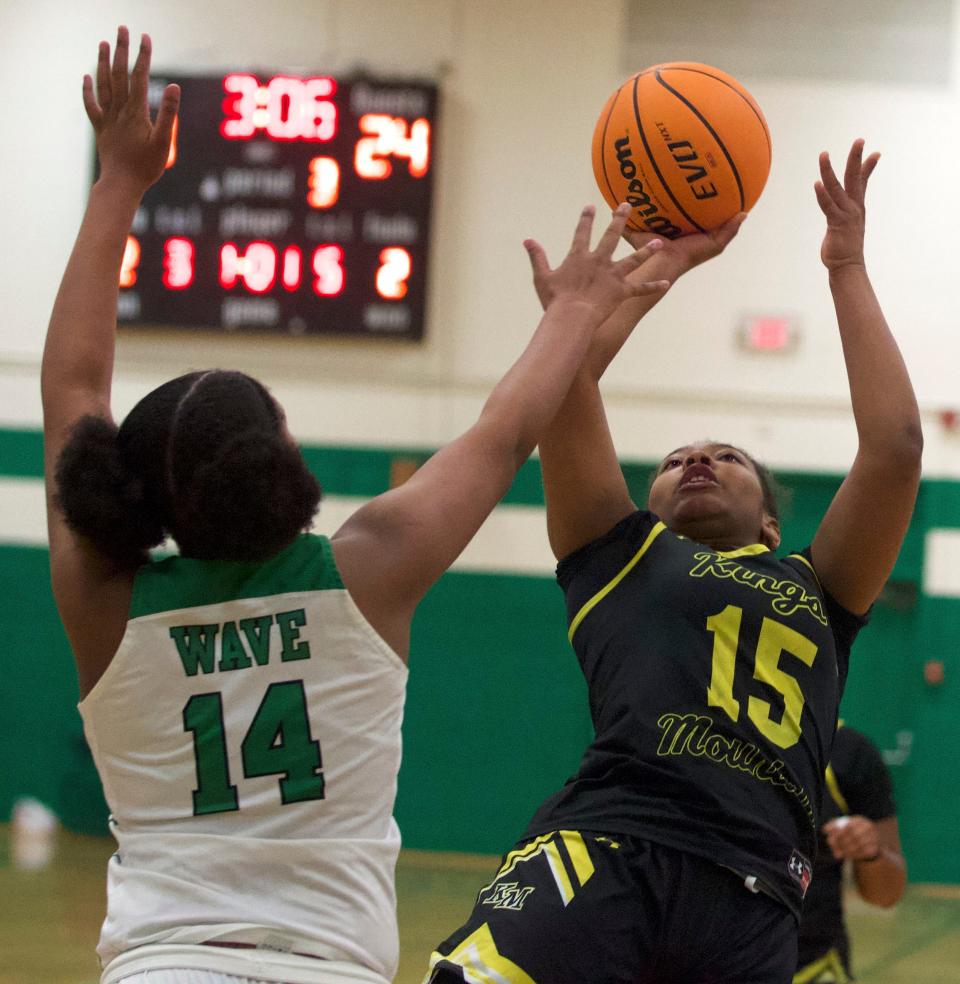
(51, 918)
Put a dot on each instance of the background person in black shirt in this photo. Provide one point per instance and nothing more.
(861, 827)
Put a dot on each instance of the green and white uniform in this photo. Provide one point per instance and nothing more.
(247, 733)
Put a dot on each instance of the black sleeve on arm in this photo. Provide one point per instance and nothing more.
(844, 623)
(862, 775)
(622, 537)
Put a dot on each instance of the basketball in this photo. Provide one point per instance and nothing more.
(685, 144)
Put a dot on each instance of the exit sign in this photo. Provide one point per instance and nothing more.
(768, 333)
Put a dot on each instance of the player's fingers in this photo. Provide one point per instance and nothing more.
(868, 168)
(167, 115)
(94, 112)
(828, 179)
(581, 235)
(637, 237)
(140, 77)
(846, 839)
(611, 236)
(827, 205)
(118, 75)
(833, 831)
(841, 847)
(538, 258)
(726, 233)
(103, 75)
(857, 842)
(852, 181)
(649, 287)
(638, 257)
(832, 843)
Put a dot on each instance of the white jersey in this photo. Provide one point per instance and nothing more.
(247, 733)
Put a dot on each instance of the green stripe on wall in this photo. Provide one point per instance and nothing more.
(42, 751)
(21, 453)
(366, 472)
(347, 471)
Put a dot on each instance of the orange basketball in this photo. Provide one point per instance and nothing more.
(685, 144)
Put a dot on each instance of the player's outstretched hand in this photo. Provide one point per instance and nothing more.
(843, 205)
(131, 148)
(686, 252)
(592, 276)
(854, 838)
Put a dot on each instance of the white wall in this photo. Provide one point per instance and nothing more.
(522, 85)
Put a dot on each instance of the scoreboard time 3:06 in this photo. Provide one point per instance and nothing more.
(290, 204)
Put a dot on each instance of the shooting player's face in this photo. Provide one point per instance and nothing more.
(711, 493)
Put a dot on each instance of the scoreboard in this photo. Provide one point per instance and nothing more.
(291, 204)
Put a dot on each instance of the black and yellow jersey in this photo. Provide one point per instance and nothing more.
(714, 680)
(858, 784)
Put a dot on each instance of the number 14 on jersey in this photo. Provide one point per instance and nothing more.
(278, 742)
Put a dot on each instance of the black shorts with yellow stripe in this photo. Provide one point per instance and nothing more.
(580, 907)
(828, 969)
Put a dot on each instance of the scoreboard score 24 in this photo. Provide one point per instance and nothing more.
(290, 204)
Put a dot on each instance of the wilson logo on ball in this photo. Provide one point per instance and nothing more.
(645, 208)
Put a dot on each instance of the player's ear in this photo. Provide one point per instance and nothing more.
(770, 531)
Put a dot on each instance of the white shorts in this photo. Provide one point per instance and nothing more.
(194, 964)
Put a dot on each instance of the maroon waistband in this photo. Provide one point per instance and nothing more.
(253, 946)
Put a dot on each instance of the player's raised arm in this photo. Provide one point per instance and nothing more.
(394, 548)
(585, 490)
(78, 355)
(857, 543)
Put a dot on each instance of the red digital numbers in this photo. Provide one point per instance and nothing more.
(323, 182)
(257, 268)
(291, 268)
(177, 263)
(391, 136)
(285, 108)
(327, 265)
(393, 272)
(130, 262)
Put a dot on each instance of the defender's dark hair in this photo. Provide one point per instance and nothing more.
(201, 458)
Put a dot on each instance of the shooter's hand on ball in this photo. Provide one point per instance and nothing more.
(686, 252)
(852, 838)
(593, 276)
(843, 205)
(132, 150)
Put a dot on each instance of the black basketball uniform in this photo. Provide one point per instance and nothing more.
(858, 784)
(714, 680)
